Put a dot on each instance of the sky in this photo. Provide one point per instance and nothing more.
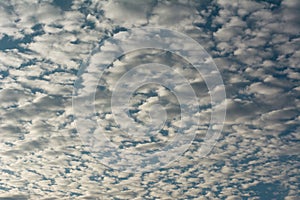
(65, 134)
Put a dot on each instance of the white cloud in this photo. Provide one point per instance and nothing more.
(256, 47)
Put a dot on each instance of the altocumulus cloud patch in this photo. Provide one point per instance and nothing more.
(255, 45)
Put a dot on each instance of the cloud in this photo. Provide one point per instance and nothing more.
(43, 45)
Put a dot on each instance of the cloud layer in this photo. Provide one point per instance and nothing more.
(255, 45)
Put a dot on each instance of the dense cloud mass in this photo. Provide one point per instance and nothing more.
(44, 48)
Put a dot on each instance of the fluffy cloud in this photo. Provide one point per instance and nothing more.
(43, 45)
